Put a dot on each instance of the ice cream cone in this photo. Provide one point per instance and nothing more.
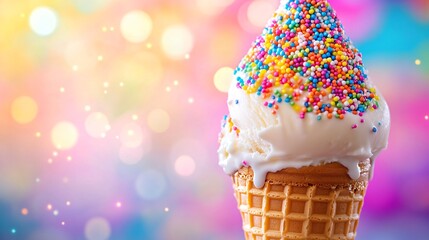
(301, 98)
(316, 202)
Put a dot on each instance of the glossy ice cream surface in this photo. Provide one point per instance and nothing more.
(301, 97)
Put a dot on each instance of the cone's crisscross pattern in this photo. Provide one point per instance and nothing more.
(297, 211)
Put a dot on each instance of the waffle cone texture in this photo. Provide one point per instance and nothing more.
(316, 202)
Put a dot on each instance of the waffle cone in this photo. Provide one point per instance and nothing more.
(316, 202)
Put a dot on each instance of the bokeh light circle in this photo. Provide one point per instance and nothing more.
(131, 135)
(64, 135)
(158, 120)
(136, 26)
(24, 109)
(43, 21)
(97, 229)
(223, 78)
(97, 125)
(150, 185)
(177, 41)
(131, 155)
(184, 165)
(259, 11)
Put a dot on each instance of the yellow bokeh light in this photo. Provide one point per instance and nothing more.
(418, 62)
(43, 21)
(158, 120)
(177, 41)
(64, 135)
(184, 166)
(24, 109)
(223, 78)
(136, 26)
(259, 11)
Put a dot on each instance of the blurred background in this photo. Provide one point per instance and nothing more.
(110, 112)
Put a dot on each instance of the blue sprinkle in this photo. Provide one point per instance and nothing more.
(374, 129)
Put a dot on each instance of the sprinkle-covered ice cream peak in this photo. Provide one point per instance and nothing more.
(304, 58)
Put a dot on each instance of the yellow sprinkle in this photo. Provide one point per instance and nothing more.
(296, 108)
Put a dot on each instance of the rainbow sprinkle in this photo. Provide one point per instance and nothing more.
(304, 59)
(229, 125)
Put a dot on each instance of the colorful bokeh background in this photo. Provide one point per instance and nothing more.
(110, 112)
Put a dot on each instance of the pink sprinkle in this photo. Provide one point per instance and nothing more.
(362, 120)
(354, 126)
(244, 163)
